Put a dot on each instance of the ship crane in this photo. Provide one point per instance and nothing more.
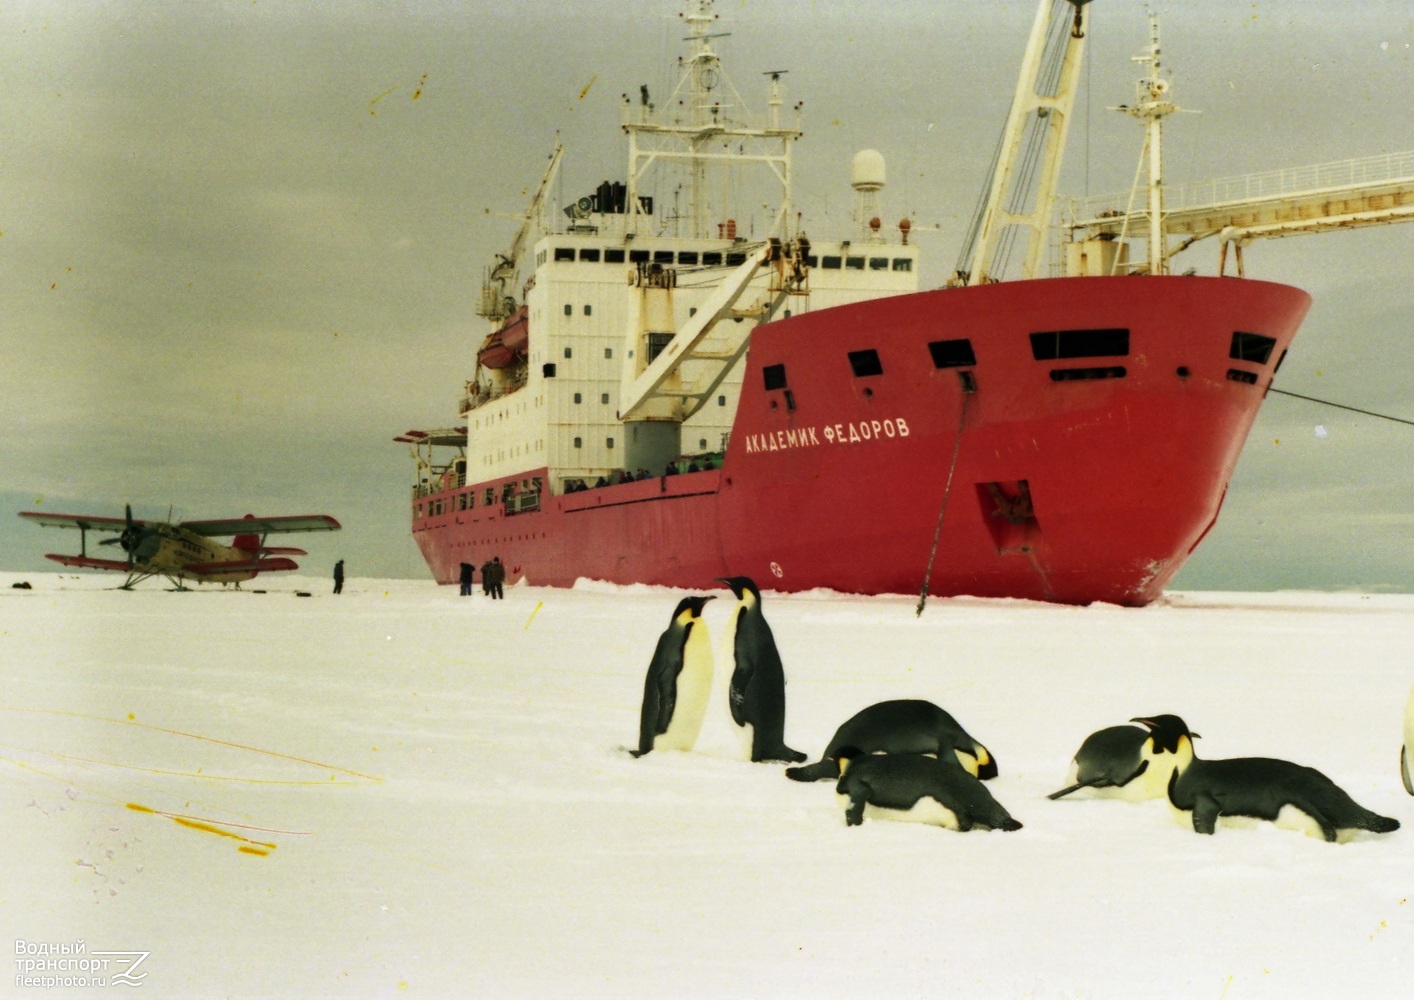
(497, 300)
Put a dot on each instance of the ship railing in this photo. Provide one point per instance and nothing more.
(472, 399)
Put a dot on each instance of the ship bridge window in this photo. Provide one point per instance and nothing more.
(775, 377)
(638, 256)
(952, 353)
(865, 363)
(1251, 347)
(687, 257)
(589, 253)
(548, 370)
(854, 263)
(903, 263)
(878, 263)
(830, 263)
(662, 256)
(657, 342)
(811, 260)
(614, 255)
(712, 258)
(735, 259)
(1054, 345)
(564, 253)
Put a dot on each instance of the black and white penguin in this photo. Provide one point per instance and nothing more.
(1122, 762)
(679, 682)
(1408, 749)
(758, 684)
(908, 725)
(1242, 790)
(916, 788)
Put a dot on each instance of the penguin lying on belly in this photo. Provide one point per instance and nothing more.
(1243, 789)
(679, 681)
(916, 788)
(907, 725)
(1122, 762)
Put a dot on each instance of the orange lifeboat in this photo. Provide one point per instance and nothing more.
(509, 344)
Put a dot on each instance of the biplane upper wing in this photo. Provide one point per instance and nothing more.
(260, 525)
(78, 521)
(87, 562)
(241, 566)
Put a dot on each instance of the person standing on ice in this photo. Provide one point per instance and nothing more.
(467, 572)
(498, 577)
(486, 574)
(339, 577)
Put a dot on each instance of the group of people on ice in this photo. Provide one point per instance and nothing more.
(493, 577)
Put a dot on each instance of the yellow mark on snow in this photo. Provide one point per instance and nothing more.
(588, 85)
(538, 606)
(381, 96)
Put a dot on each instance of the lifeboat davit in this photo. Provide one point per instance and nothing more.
(508, 345)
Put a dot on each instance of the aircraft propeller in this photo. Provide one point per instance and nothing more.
(130, 538)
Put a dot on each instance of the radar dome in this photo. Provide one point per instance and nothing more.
(866, 173)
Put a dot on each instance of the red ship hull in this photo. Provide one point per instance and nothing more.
(1031, 472)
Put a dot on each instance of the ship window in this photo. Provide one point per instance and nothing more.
(775, 376)
(713, 257)
(662, 256)
(687, 257)
(811, 260)
(854, 263)
(952, 353)
(608, 442)
(638, 256)
(1251, 347)
(490, 496)
(588, 309)
(589, 253)
(1086, 374)
(578, 398)
(608, 352)
(569, 309)
(579, 442)
(1238, 375)
(692, 311)
(1053, 345)
(878, 263)
(903, 263)
(603, 397)
(734, 259)
(548, 370)
(569, 352)
(564, 253)
(656, 343)
(865, 363)
(613, 256)
(721, 400)
(830, 263)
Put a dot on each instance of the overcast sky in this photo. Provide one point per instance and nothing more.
(242, 243)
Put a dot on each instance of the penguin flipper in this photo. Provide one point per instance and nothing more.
(818, 771)
(1070, 788)
(1205, 815)
(1404, 769)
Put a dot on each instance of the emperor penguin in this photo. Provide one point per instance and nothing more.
(908, 725)
(1407, 750)
(1242, 790)
(679, 681)
(1122, 762)
(758, 685)
(916, 788)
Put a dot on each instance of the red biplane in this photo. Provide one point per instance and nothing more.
(185, 550)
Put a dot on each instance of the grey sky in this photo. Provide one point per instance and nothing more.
(242, 242)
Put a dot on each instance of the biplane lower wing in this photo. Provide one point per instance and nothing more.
(261, 525)
(84, 562)
(240, 566)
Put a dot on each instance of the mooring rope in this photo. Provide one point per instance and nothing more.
(1342, 406)
(967, 391)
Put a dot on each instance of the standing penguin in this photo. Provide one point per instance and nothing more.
(1408, 748)
(679, 681)
(916, 788)
(908, 725)
(1258, 788)
(758, 685)
(1122, 762)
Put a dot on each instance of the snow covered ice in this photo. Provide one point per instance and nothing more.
(401, 792)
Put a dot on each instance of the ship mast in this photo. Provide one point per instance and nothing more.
(1152, 107)
(705, 129)
(1023, 182)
